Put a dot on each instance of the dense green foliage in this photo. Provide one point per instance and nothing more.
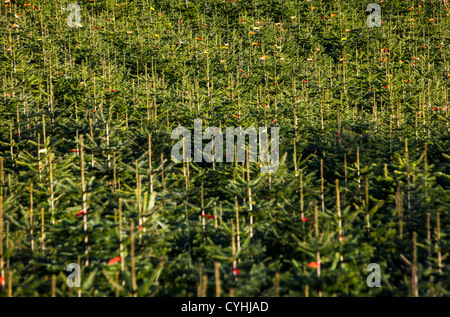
(369, 105)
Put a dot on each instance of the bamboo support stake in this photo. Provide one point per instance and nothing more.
(217, 278)
(425, 167)
(322, 181)
(302, 213)
(316, 231)
(238, 237)
(344, 196)
(338, 205)
(367, 204)
(150, 160)
(408, 184)
(114, 172)
(321, 123)
(43, 130)
(39, 156)
(133, 266)
(203, 210)
(215, 218)
(52, 193)
(147, 95)
(295, 145)
(7, 242)
(220, 214)
(2, 264)
(83, 187)
(53, 285)
(390, 133)
(107, 146)
(209, 87)
(438, 240)
(249, 189)
(414, 282)
(43, 228)
(186, 181)
(200, 274)
(122, 260)
(233, 247)
(204, 285)
(31, 218)
(138, 201)
(11, 142)
(428, 236)
(19, 132)
(358, 171)
(2, 175)
(10, 273)
(399, 208)
(92, 137)
(162, 173)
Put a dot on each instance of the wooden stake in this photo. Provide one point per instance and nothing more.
(2, 175)
(338, 206)
(79, 264)
(205, 285)
(249, 191)
(133, 267)
(150, 159)
(414, 282)
(399, 208)
(344, 196)
(217, 277)
(367, 204)
(322, 196)
(83, 187)
(52, 193)
(238, 237)
(233, 246)
(200, 282)
(358, 171)
(31, 218)
(53, 285)
(2, 264)
(408, 184)
(122, 260)
(43, 228)
(138, 200)
(302, 215)
(438, 239)
(10, 273)
(162, 173)
(316, 232)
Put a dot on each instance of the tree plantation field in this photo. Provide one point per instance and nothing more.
(87, 178)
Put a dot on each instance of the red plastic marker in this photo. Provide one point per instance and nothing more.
(114, 261)
(83, 212)
(314, 265)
